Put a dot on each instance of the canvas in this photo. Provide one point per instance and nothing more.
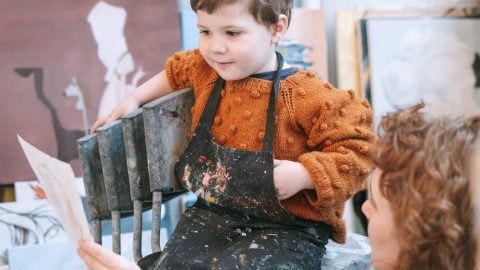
(351, 49)
(305, 44)
(65, 63)
(434, 60)
(348, 66)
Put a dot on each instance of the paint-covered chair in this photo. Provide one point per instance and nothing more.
(128, 166)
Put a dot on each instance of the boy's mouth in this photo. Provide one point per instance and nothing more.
(223, 64)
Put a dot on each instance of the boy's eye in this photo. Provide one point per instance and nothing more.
(233, 33)
(204, 32)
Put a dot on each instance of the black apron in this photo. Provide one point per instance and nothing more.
(238, 222)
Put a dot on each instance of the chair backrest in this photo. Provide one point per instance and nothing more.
(128, 164)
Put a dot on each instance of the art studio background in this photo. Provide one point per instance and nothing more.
(66, 63)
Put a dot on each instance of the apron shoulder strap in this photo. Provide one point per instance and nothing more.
(270, 125)
(212, 102)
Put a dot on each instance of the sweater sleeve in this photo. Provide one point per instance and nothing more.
(342, 144)
(181, 68)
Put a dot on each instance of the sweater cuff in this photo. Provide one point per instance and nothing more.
(324, 196)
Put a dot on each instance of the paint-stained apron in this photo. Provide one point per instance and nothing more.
(238, 222)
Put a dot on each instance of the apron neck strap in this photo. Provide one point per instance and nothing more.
(212, 103)
(214, 98)
(270, 126)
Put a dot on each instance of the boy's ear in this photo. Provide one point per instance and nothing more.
(280, 28)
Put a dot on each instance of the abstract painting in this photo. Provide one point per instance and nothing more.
(352, 44)
(66, 63)
(433, 60)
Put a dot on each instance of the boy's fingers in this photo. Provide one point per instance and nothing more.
(276, 162)
(97, 124)
(101, 122)
(110, 119)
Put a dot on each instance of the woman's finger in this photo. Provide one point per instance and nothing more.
(101, 255)
(90, 260)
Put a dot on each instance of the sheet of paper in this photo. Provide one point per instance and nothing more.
(58, 181)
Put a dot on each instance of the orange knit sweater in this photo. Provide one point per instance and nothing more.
(325, 129)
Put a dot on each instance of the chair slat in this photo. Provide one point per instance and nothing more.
(114, 167)
(167, 122)
(93, 181)
(136, 156)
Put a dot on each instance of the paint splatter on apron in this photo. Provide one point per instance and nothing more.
(238, 222)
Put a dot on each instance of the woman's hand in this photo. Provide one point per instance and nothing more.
(98, 258)
(129, 104)
(289, 177)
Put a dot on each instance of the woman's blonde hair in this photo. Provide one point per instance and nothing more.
(426, 167)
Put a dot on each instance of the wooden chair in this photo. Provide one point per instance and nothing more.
(128, 166)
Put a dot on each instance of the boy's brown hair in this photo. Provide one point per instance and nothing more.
(264, 11)
(425, 177)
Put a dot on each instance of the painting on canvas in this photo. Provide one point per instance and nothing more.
(351, 40)
(347, 51)
(435, 60)
(66, 63)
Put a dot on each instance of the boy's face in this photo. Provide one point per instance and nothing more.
(234, 43)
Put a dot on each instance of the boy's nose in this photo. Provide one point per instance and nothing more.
(218, 46)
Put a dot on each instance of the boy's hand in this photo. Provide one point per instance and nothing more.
(289, 177)
(98, 258)
(127, 105)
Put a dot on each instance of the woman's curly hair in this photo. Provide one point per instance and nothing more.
(425, 163)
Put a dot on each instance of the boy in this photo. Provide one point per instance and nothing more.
(249, 109)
